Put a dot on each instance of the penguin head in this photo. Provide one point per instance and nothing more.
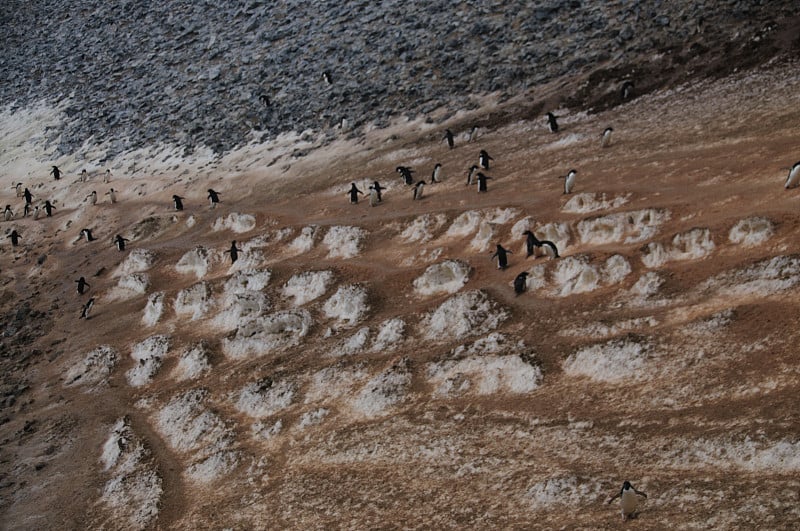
(626, 485)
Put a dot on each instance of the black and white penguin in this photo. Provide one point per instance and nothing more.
(87, 308)
(234, 252)
(14, 236)
(28, 196)
(531, 242)
(353, 193)
(374, 196)
(605, 138)
(82, 285)
(8, 214)
(56, 173)
(84, 176)
(418, 190)
(483, 159)
(502, 256)
(378, 189)
(119, 241)
(107, 176)
(794, 176)
(406, 173)
(569, 181)
(627, 90)
(92, 197)
(264, 99)
(36, 213)
(178, 201)
(87, 233)
(473, 133)
(520, 282)
(552, 123)
(448, 136)
(471, 174)
(550, 249)
(326, 77)
(112, 196)
(482, 182)
(26, 210)
(48, 208)
(435, 174)
(628, 502)
(17, 189)
(213, 197)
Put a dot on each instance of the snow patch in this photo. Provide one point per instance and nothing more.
(266, 397)
(485, 374)
(305, 287)
(558, 233)
(692, 245)
(590, 202)
(192, 363)
(343, 242)
(353, 344)
(196, 261)
(384, 390)
(569, 491)
(95, 368)
(390, 333)
(333, 382)
(241, 308)
(235, 222)
(269, 333)
(137, 261)
(147, 356)
(612, 362)
(463, 315)
(763, 278)
(422, 228)
(627, 227)
(574, 275)
(348, 304)
(153, 309)
(130, 286)
(445, 277)
(194, 300)
(305, 241)
(751, 231)
(312, 418)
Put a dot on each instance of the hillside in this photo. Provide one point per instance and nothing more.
(371, 367)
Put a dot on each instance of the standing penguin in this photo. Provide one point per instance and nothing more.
(36, 213)
(87, 308)
(473, 134)
(550, 249)
(531, 242)
(326, 77)
(14, 238)
(8, 214)
(569, 181)
(178, 201)
(28, 196)
(234, 252)
(112, 196)
(120, 242)
(471, 174)
(482, 182)
(378, 188)
(627, 90)
(107, 176)
(87, 233)
(552, 123)
(448, 136)
(82, 285)
(48, 208)
(213, 197)
(628, 502)
(520, 282)
(374, 196)
(92, 197)
(56, 173)
(605, 138)
(353, 193)
(435, 174)
(794, 174)
(84, 176)
(502, 256)
(483, 159)
(406, 174)
(418, 190)
(17, 189)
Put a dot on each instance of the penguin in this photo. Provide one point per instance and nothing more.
(569, 181)
(550, 249)
(84, 176)
(605, 138)
(26, 210)
(374, 196)
(48, 208)
(92, 197)
(14, 238)
(88, 234)
(628, 502)
(8, 214)
(234, 252)
(552, 123)
(435, 174)
(473, 134)
(406, 174)
(378, 188)
(353, 193)
(36, 213)
(18, 189)
(107, 176)
(28, 196)
(482, 182)
(213, 197)
(520, 282)
(56, 173)
(471, 174)
(344, 124)
(448, 136)
(483, 159)
(502, 256)
(794, 174)
(119, 241)
(531, 243)
(418, 190)
(326, 77)
(87, 308)
(82, 285)
(627, 90)
(178, 200)
(112, 195)
(264, 99)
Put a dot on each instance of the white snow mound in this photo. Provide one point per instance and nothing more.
(148, 356)
(587, 202)
(305, 287)
(153, 309)
(266, 397)
(192, 363)
(348, 304)
(567, 491)
(305, 241)
(484, 375)
(390, 334)
(627, 227)
(422, 228)
(130, 286)
(194, 300)
(384, 390)
(466, 314)
(613, 362)
(269, 333)
(692, 245)
(235, 222)
(95, 368)
(343, 242)
(137, 261)
(751, 231)
(196, 261)
(445, 277)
